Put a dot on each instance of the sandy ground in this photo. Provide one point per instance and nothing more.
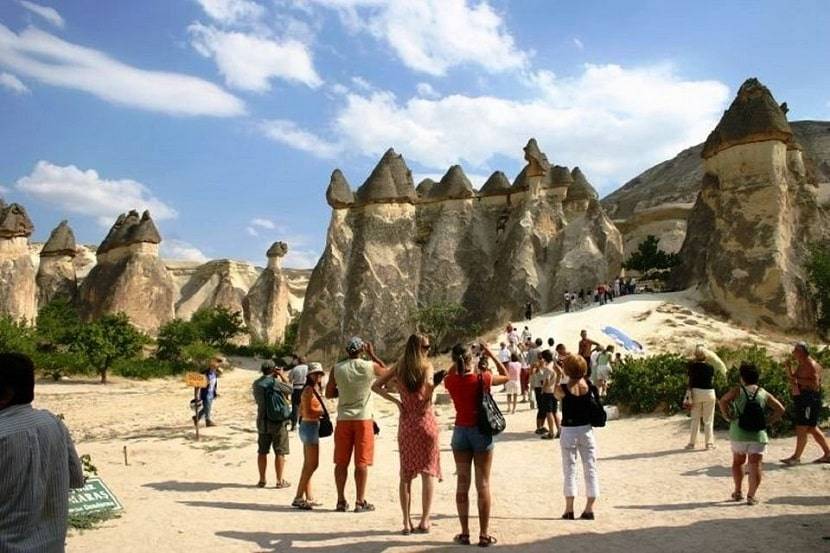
(183, 495)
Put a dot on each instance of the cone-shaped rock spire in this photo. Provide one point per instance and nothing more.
(497, 184)
(454, 185)
(390, 181)
(61, 241)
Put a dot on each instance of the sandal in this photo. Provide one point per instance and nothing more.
(822, 460)
(406, 532)
(462, 539)
(751, 500)
(420, 530)
(342, 506)
(737, 496)
(302, 505)
(487, 541)
(791, 461)
(587, 516)
(548, 436)
(568, 516)
(283, 484)
(260, 484)
(363, 506)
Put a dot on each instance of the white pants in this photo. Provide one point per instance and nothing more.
(579, 439)
(703, 407)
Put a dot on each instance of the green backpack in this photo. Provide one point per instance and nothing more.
(277, 407)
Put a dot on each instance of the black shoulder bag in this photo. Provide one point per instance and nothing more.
(326, 427)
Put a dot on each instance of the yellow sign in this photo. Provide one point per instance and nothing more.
(195, 380)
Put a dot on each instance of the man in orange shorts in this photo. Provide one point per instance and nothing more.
(351, 382)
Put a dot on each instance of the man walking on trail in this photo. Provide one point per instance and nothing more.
(805, 382)
(298, 375)
(205, 396)
(351, 381)
(39, 465)
(272, 434)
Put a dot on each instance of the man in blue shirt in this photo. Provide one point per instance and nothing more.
(206, 395)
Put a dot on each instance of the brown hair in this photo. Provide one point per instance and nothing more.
(412, 366)
(575, 366)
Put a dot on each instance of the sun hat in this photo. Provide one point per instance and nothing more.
(354, 345)
(314, 368)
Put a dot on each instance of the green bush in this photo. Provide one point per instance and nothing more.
(58, 363)
(818, 273)
(217, 326)
(197, 355)
(173, 337)
(146, 368)
(109, 339)
(58, 323)
(16, 336)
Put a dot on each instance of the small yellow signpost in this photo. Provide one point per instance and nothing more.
(195, 380)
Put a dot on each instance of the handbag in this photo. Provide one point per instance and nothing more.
(326, 427)
(687, 401)
(598, 415)
(490, 420)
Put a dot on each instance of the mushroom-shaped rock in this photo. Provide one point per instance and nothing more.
(580, 189)
(14, 221)
(146, 231)
(496, 185)
(130, 228)
(390, 181)
(454, 185)
(753, 116)
(558, 176)
(277, 249)
(339, 194)
(61, 242)
(425, 187)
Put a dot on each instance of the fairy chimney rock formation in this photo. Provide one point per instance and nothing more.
(17, 272)
(755, 216)
(56, 276)
(339, 194)
(266, 306)
(580, 192)
(129, 277)
(491, 252)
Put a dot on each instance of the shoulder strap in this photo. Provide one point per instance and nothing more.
(322, 403)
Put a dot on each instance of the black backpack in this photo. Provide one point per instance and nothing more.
(752, 418)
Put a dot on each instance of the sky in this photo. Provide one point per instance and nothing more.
(226, 118)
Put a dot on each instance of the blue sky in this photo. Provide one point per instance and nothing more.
(226, 117)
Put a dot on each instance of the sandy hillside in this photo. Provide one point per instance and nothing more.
(182, 495)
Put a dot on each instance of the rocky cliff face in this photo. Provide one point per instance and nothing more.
(659, 200)
(267, 305)
(218, 283)
(129, 277)
(394, 249)
(17, 272)
(56, 271)
(755, 214)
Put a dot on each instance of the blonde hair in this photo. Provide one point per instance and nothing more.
(575, 366)
(412, 366)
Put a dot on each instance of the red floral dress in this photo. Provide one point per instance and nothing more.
(418, 435)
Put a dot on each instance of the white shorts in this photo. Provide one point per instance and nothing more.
(748, 448)
(513, 387)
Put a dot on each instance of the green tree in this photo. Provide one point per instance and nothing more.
(818, 274)
(441, 321)
(109, 338)
(218, 325)
(198, 354)
(58, 323)
(16, 336)
(650, 257)
(173, 337)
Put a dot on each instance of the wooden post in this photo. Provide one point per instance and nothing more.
(196, 418)
(195, 380)
(126, 464)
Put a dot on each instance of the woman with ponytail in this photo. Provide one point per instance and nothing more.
(469, 445)
(417, 428)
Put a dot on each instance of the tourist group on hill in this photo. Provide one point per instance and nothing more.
(601, 294)
(40, 463)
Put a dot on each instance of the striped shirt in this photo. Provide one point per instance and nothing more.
(38, 465)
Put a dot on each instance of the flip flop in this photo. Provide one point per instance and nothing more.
(420, 530)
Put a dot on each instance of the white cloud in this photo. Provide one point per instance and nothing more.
(263, 223)
(249, 62)
(14, 84)
(362, 84)
(73, 190)
(578, 43)
(231, 12)
(51, 60)
(51, 15)
(251, 231)
(425, 90)
(611, 121)
(288, 133)
(179, 250)
(300, 259)
(432, 36)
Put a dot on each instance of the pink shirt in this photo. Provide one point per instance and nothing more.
(514, 370)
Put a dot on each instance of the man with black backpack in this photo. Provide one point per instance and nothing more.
(272, 393)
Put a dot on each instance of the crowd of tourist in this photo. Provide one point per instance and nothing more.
(601, 294)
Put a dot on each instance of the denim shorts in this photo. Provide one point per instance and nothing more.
(310, 432)
(470, 438)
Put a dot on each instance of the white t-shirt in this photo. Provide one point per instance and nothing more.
(504, 355)
(513, 337)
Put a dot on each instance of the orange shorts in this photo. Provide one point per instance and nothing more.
(357, 435)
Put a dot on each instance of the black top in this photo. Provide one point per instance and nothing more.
(576, 410)
(701, 375)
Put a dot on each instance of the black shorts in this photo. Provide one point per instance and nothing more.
(807, 407)
(547, 404)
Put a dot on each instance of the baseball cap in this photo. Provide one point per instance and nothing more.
(354, 345)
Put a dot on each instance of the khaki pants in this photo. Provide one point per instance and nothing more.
(703, 407)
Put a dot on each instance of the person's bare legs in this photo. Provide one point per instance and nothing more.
(569, 504)
(463, 468)
(341, 473)
(800, 443)
(755, 471)
(820, 440)
(589, 504)
(262, 464)
(405, 494)
(427, 490)
(311, 455)
(483, 461)
(279, 466)
(361, 476)
(551, 424)
(738, 460)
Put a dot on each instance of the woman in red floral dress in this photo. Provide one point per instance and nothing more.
(417, 428)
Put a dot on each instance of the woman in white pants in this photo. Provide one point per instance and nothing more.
(577, 437)
(701, 395)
